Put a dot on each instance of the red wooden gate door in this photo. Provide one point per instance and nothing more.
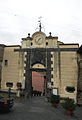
(38, 81)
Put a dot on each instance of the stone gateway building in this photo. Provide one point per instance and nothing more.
(44, 64)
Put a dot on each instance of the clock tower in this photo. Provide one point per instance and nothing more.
(37, 56)
(39, 39)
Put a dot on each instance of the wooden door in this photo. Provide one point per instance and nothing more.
(38, 81)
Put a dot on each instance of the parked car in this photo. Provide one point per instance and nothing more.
(6, 104)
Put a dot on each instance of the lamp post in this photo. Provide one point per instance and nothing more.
(9, 91)
(9, 84)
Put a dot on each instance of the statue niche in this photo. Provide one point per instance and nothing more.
(38, 57)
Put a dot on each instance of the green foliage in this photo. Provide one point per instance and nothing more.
(55, 99)
(69, 104)
(19, 84)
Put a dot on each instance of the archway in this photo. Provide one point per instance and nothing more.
(38, 78)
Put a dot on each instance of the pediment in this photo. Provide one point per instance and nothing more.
(36, 33)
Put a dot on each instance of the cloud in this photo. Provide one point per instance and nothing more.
(9, 38)
(19, 17)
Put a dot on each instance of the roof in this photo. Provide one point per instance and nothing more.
(80, 49)
(13, 46)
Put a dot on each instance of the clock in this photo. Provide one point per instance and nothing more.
(38, 39)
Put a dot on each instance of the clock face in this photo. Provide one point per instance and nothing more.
(39, 39)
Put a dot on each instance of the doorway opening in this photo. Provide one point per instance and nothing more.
(38, 83)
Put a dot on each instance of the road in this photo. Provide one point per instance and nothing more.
(37, 108)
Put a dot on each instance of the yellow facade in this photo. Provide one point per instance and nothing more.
(63, 62)
(68, 73)
(11, 71)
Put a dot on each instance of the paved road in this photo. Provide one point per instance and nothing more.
(38, 109)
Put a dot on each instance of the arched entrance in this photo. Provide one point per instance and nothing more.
(38, 60)
(38, 78)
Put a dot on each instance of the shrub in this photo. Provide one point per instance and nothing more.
(19, 84)
(55, 99)
(69, 104)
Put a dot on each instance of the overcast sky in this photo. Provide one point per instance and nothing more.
(61, 17)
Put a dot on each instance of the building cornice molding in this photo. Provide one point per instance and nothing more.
(46, 49)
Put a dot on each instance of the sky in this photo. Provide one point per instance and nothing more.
(63, 18)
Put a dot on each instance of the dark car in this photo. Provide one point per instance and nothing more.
(6, 104)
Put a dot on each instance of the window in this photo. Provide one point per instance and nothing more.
(70, 89)
(51, 62)
(9, 84)
(46, 43)
(51, 83)
(31, 43)
(51, 55)
(6, 63)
